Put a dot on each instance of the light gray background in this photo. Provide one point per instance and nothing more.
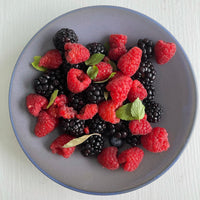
(19, 21)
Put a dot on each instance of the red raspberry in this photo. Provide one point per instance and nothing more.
(76, 53)
(88, 112)
(66, 112)
(51, 60)
(164, 51)
(137, 90)
(156, 140)
(61, 100)
(56, 146)
(140, 127)
(86, 130)
(35, 103)
(108, 158)
(119, 88)
(145, 116)
(131, 158)
(107, 111)
(117, 40)
(116, 53)
(53, 111)
(45, 124)
(117, 75)
(104, 72)
(130, 62)
(77, 80)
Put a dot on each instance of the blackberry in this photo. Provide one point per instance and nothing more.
(96, 48)
(95, 93)
(62, 36)
(133, 140)
(146, 73)
(96, 125)
(77, 101)
(147, 48)
(92, 146)
(153, 110)
(116, 142)
(150, 91)
(74, 127)
(49, 81)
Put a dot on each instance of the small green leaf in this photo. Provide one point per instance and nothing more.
(107, 46)
(114, 66)
(124, 112)
(92, 72)
(53, 97)
(112, 75)
(137, 109)
(79, 140)
(95, 59)
(106, 94)
(36, 62)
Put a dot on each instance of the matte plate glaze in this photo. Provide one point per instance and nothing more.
(175, 90)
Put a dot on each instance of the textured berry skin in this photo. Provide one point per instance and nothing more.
(130, 62)
(53, 111)
(76, 53)
(77, 80)
(62, 36)
(116, 53)
(51, 60)
(96, 47)
(133, 140)
(86, 130)
(119, 88)
(104, 72)
(140, 127)
(107, 111)
(137, 91)
(131, 158)
(156, 141)
(66, 112)
(60, 100)
(45, 124)
(150, 92)
(35, 103)
(108, 158)
(117, 40)
(88, 112)
(77, 101)
(56, 146)
(164, 51)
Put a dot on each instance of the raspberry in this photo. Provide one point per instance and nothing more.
(131, 158)
(140, 127)
(88, 112)
(164, 51)
(56, 146)
(117, 40)
(137, 90)
(76, 53)
(77, 80)
(53, 111)
(107, 111)
(66, 112)
(86, 130)
(116, 53)
(104, 72)
(35, 103)
(130, 62)
(119, 88)
(96, 48)
(60, 100)
(156, 140)
(51, 60)
(45, 124)
(108, 158)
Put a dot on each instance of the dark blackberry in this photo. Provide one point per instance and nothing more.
(92, 146)
(147, 48)
(96, 125)
(116, 142)
(146, 73)
(49, 81)
(74, 127)
(96, 48)
(133, 140)
(150, 91)
(153, 110)
(62, 36)
(77, 101)
(95, 93)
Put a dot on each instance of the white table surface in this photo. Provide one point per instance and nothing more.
(19, 21)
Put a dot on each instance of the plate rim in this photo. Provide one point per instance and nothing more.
(181, 149)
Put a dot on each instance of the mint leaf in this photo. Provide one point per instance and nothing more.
(36, 62)
(107, 46)
(112, 75)
(106, 94)
(114, 66)
(124, 112)
(137, 109)
(95, 59)
(92, 72)
(79, 140)
(53, 97)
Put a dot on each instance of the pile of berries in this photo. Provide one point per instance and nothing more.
(95, 94)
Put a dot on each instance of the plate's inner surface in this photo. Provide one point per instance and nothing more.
(175, 90)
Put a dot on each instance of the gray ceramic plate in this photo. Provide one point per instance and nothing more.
(175, 90)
